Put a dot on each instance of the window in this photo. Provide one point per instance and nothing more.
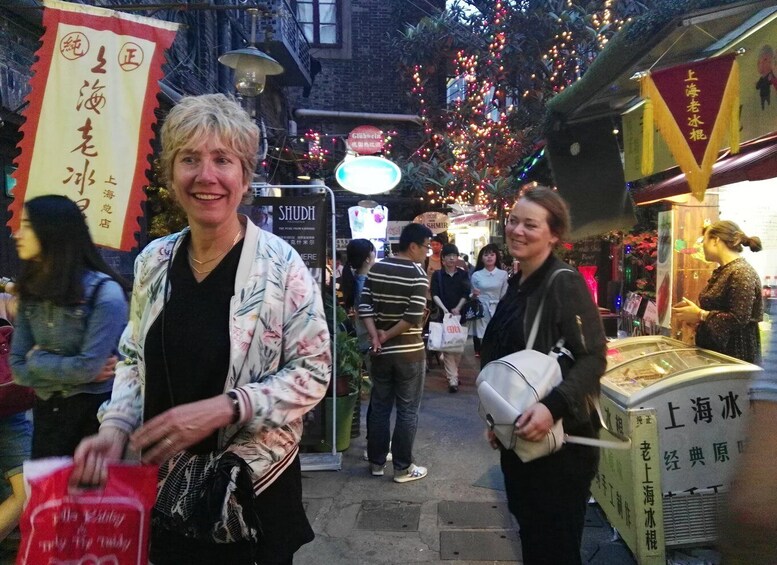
(320, 21)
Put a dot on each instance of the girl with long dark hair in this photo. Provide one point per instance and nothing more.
(72, 310)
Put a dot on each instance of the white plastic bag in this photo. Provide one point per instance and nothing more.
(448, 335)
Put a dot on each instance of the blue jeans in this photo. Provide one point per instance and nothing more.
(394, 380)
(15, 439)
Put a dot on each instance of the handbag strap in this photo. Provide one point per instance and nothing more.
(536, 325)
(623, 442)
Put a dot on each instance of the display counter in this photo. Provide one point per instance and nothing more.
(685, 410)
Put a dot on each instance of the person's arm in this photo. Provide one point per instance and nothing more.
(302, 380)
(749, 527)
(103, 328)
(581, 326)
(397, 329)
(465, 290)
(475, 282)
(11, 507)
(436, 289)
(367, 314)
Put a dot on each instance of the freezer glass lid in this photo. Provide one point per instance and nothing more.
(621, 351)
(640, 372)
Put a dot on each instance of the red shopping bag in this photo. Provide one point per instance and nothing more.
(108, 526)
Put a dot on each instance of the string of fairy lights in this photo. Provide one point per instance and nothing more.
(473, 141)
(564, 60)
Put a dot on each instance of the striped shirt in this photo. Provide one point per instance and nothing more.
(764, 385)
(396, 290)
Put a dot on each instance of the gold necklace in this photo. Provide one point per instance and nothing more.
(192, 260)
(234, 241)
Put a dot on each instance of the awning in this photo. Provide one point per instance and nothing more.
(673, 33)
(756, 161)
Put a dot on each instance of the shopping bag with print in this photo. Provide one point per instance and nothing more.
(106, 526)
(448, 335)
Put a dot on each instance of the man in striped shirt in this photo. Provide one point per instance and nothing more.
(392, 308)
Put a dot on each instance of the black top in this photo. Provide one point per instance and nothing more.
(196, 331)
(451, 288)
(507, 323)
(733, 298)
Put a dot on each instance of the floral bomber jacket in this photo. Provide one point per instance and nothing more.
(280, 357)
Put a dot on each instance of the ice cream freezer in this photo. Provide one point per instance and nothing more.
(685, 410)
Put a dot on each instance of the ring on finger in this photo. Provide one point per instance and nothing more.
(168, 442)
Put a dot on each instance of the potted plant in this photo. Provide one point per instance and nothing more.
(346, 382)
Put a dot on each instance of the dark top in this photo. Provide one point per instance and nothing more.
(733, 298)
(451, 288)
(568, 312)
(197, 346)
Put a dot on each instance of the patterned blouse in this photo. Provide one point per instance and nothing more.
(733, 298)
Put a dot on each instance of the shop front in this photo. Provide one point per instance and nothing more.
(740, 185)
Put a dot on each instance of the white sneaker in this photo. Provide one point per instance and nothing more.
(412, 473)
(377, 470)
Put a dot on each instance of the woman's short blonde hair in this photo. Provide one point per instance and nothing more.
(209, 115)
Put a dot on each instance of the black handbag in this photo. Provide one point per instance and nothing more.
(207, 497)
(473, 309)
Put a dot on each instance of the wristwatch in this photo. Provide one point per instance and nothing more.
(235, 407)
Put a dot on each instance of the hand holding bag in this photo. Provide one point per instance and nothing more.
(109, 525)
(448, 335)
(509, 385)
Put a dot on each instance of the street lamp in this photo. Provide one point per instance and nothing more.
(251, 65)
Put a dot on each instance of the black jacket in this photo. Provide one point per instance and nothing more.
(569, 312)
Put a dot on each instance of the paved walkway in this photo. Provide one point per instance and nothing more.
(456, 514)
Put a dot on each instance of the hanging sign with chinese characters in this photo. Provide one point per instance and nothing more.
(366, 140)
(696, 108)
(90, 114)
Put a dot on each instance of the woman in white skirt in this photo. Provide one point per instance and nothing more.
(489, 284)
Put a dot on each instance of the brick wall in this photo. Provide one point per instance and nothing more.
(369, 80)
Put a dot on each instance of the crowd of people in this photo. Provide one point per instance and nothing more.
(115, 379)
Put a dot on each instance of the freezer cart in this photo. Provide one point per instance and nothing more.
(685, 410)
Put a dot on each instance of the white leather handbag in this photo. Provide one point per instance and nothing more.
(509, 385)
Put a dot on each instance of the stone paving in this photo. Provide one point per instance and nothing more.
(456, 514)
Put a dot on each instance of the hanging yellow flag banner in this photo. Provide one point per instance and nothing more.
(695, 107)
(91, 108)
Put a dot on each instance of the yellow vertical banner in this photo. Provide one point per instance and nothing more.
(89, 120)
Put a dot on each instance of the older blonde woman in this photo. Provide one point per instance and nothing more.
(227, 348)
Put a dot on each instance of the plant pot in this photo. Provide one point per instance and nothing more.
(342, 386)
(345, 406)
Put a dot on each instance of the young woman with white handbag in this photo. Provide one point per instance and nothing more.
(548, 496)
